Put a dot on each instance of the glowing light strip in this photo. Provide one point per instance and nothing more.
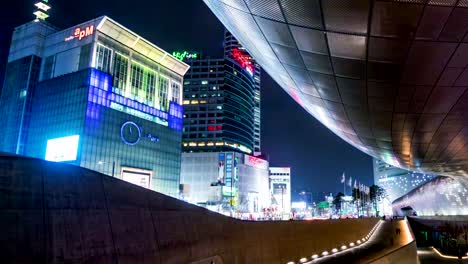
(344, 248)
(445, 256)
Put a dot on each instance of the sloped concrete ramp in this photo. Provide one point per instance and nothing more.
(59, 213)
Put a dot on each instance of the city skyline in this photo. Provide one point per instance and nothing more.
(310, 149)
(234, 131)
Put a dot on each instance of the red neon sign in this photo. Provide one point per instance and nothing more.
(255, 162)
(244, 60)
(81, 33)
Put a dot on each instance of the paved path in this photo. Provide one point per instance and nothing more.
(428, 256)
(383, 241)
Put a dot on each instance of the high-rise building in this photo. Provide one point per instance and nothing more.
(396, 181)
(232, 49)
(218, 106)
(96, 95)
(221, 126)
(280, 188)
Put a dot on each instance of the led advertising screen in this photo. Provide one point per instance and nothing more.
(62, 149)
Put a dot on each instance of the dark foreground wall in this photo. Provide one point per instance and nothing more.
(57, 213)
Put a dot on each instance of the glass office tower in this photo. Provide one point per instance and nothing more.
(219, 105)
(105, 99)
(232, 48)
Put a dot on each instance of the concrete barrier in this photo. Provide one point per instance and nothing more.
(58, 213)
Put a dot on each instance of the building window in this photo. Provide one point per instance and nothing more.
(163, 88)
(151, 88)
(103, 58)
(136, 81)
(48, 67)
(120, 73)
(175, 92)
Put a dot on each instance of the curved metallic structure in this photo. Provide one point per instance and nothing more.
(389, 77)
(440, 196)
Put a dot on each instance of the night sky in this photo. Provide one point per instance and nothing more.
(290, 136)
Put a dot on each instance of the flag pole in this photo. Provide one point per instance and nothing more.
(344, 185)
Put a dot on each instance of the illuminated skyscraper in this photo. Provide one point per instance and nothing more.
(221, 126)
(222, 102)
(96, 95)
(231, 44)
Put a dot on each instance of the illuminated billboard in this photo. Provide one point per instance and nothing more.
(138, 177)
(62, 149)
(255, 162)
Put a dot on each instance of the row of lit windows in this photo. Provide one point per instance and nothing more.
(201, 115)
(204, 128)
(195, 102)
(206, 63)
(192, 122)
(203, 108)
(203, 95)
(145, 84)
(218, 144)
(204, 70)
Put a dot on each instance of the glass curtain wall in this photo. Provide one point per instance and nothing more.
(137, 81)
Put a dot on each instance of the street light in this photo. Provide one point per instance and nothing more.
(305, 197)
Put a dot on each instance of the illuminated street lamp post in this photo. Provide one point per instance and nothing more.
(305, 197)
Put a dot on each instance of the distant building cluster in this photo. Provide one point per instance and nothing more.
(99, 96)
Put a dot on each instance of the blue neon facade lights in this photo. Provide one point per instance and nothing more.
(100, 93)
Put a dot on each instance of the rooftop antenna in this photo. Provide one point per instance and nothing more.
(41, 10)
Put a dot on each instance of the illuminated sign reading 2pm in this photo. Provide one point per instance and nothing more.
(81, 33)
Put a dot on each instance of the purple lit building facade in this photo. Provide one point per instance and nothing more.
(104, 98)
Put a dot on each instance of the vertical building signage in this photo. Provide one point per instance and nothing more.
(229, 162)
(230, 189)
(221, 166)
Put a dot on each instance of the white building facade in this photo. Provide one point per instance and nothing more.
(226, 182)
(280, 188)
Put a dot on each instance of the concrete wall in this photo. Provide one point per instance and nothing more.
(57, 213)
